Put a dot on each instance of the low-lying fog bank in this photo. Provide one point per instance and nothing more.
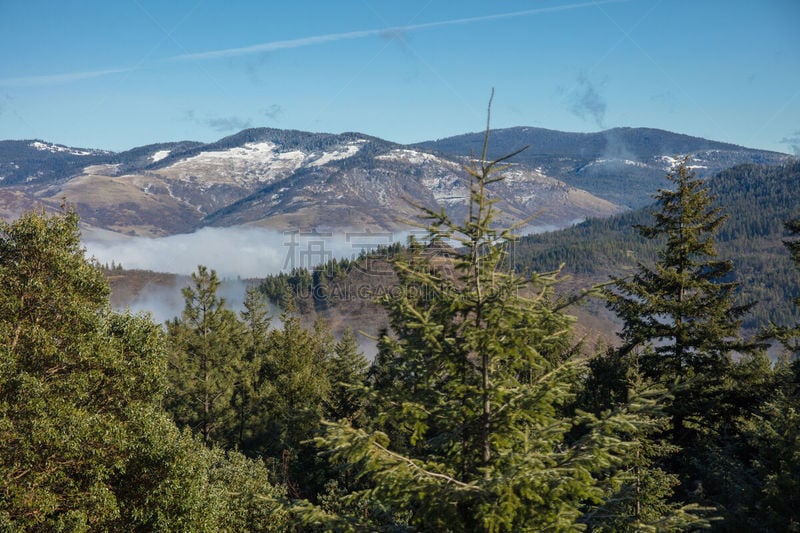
(240, 255)
(237, 252)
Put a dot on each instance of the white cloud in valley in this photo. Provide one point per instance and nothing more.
(238, 252)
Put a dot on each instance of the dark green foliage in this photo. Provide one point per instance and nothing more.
(175, 483)
(348, 371)
(681, 330)
(759, 198)
(644, 500)
(329, 284)
(793, 246)
(205, 361)
(775, 434)
(245, 385)
(730, 442)
(291, 394)
(773, 431)
(84, 444)
(58, 382)
(683, 307)
(291, 289)
(789, 336)
(295, 384)
(247, 400)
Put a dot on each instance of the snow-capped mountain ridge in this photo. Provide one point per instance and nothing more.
(289, 179)
(60, 148)
(622, 165)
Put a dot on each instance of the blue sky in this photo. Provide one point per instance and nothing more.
(118, 74)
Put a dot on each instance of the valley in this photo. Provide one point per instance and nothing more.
(240, 204)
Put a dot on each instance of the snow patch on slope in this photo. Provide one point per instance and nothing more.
(614, 162)
(672, 162)
(158, 156)
(414, 157)
(252, 162)
(57, 148)
(447, 189)
(348, 150)
(255, 162)
(255, 152)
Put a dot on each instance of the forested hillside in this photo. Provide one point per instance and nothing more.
(757, 200)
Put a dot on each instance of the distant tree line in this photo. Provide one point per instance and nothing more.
(758, 198)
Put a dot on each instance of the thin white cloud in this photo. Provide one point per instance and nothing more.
(398, 30)
(50, 79)
(277, 45)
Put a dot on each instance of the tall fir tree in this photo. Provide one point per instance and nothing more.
(247, 399)
(681, 323)
(473, 428)
(774, 430)
(644, 500)
(680, 316)
(293, 389)
(205, 361)
(789, 336)
(348, 371)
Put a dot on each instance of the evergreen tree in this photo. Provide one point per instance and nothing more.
(247, 400)
(174, 482)
(790, 336)
(347, 375)
(292, 394)
(643, 500)
(62, 429)
(680, 316)
(681, 325)
(774, 431)
(793, 226)
(297, 382)
(84, 443)
(205, 360)
(474, 429)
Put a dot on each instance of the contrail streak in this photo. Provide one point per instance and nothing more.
(332, 37)
(49, 79)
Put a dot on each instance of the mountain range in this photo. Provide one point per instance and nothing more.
(287, 179)
(622, 165)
